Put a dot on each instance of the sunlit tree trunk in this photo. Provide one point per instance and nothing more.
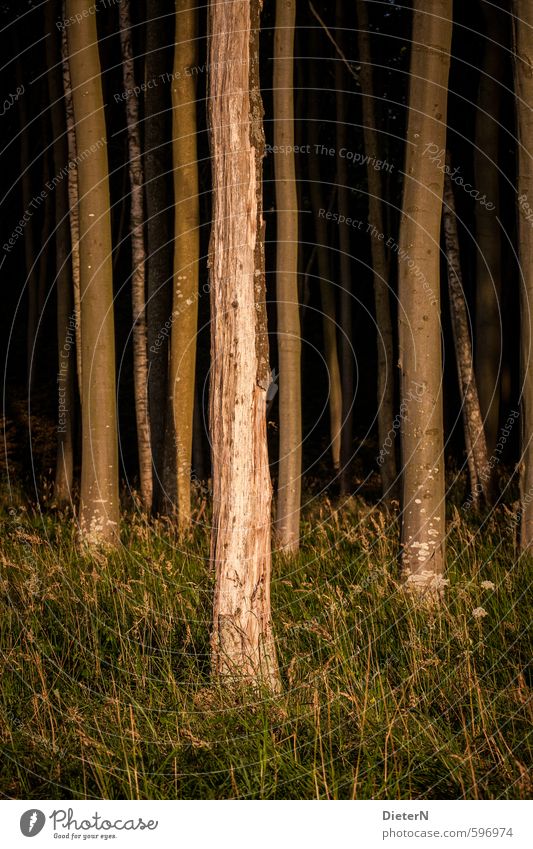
(380, 262)
(423, 514)
(288, 310)
(523, 62)
(66, 365)
(186, 253)
(159, 227)
(473, 422)
(138, 292)
(488, 327)
(72, 178)
(242, 641)
(99, 507)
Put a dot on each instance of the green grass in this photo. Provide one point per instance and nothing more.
(106, 691)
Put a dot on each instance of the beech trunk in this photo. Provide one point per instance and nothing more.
(288, 309)
(138, 256)
(186, 254)
(523, 62)
(99, 502)
(423, 514)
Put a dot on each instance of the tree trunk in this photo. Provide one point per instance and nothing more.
(380, 262)
(327, 288)
(242, 642)
(488, 335)
(138, 295)
(423, 516)
(99, 507)
(288, 310)
(159, 213)
(523, 62)
(346, 296)
(473, 422)
(29, 265)
(74, 212)
(186, 253)
(65, 303)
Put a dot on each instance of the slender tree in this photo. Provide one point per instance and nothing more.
(523, 59)
(72, 182)
(159, 225)
(186, 252)
(476, 447)
(242, 641)
(380, 261)
(488, 328)
(99, 507)
(66, 371)
(140, 350)
(346, 296)
(288, 310)
(327, 288)
(423, 513)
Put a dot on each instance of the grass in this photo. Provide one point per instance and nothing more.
(106, 692)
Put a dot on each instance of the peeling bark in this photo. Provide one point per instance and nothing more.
(242, 642)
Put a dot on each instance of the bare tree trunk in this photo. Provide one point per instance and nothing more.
(25, 170)
(327, 289)
(346, 297)
(523, 62)
(288, 310)
(242, 642)
(74, 212)
(473, 423)
(423, 515)
(138, 294)
(186, 253)
(65, 318)
(380, 262)
(99, 507)
(488, 334)
(159, 230)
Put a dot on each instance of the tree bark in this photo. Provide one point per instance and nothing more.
(488, 335)
(327, 289)
(423, 514)
(186, 253)
(473, 422)
(99, 506)
(327, 298)
(74, 212)
(288, 309)
(346, 296)
(242, 642)
(65, 303)
(159, 213)
(380, 262)
(138, 256)
(523, 62)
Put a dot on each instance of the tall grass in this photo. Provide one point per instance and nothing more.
(105, 680)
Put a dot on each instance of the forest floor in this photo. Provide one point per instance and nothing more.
(105, 687)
